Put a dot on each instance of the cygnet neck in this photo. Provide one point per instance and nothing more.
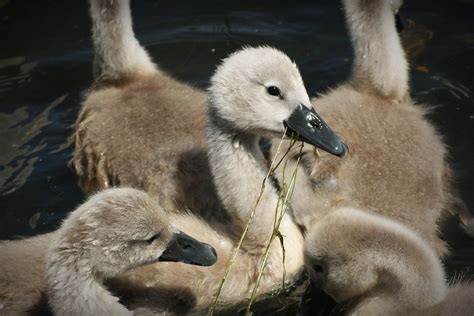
(238, 169)
(74, 288)
(117, 51)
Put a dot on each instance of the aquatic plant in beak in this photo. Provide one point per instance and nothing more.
(286, 191)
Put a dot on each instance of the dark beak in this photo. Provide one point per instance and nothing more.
(184, 248)
(309, 127)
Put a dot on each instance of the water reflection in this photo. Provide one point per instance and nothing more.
(16, 80)
(19, 156)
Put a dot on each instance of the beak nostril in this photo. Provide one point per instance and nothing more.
(316, 125)
(187, 246)
(313, 121)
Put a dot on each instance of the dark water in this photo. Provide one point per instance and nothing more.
(45, 66)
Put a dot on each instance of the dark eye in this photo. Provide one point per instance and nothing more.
(153, 238)
(272, 90)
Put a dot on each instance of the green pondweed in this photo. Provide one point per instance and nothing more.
(280, 209)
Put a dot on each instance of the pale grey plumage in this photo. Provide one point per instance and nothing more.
(397, 163)
(376, 266)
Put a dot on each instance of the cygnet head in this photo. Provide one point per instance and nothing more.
(119, 229)
(260, 91)
(354, 255)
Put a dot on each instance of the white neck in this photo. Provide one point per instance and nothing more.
(379, 59)
(117, 51)
(238, 170)
(72, 287)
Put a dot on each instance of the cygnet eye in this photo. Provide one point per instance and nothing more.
(272, 90)
(153, 238)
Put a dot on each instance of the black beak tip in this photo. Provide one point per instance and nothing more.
(343, 151)
(214, 253)
(184, 248)
(210, 258)
(306, 124)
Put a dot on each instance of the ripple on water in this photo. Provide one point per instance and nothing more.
(441, 83)
(11, 81)
(19, 154)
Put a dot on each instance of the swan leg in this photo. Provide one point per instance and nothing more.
(379, 60)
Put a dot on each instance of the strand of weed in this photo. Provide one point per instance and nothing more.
(244, 233)
(283, 183)
(288, 196)
(276, 231)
